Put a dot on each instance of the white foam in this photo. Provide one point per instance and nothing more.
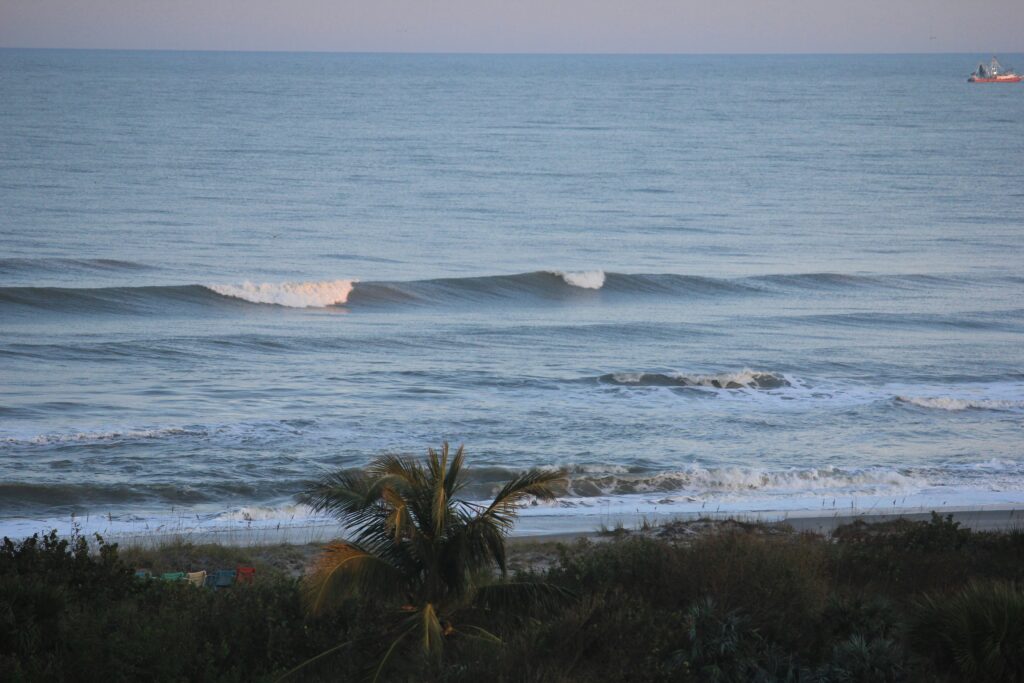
(956, 404)
(746, 377)
(257, 513)
(703, 481)
(229, 432)
(101, 436)
(585, 279)
(291, 294)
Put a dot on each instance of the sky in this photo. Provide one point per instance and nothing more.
(547, 26)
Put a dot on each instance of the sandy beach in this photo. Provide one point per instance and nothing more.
(292, 553)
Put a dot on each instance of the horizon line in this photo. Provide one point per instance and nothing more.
(497, 54)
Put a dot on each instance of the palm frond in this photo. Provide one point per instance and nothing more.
(510, 597)
(432, 634)
(535, 482)
(479, 634)
(399, 466)
(345, 570)
(387, 655)
(439, 510)
(480, 541)
(453, 478)
(312, 660)
(337, 492)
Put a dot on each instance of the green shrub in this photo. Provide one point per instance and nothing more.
(902, 557)
(70, 615)
(977, 632)
(781, 584)
(732, 606)
(864, 660)
(869, 616)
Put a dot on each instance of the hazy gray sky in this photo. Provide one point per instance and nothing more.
(520, 25)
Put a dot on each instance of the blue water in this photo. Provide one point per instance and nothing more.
(729, 283)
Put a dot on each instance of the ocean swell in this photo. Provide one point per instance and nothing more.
(290, 294)
(744, 379)
(702, 481)
(951, 404)
(588, 279)
(33, 266)
(524, 288)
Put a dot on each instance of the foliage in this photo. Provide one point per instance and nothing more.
(978, 632)
(67, 613)
(723, 647)
(902, 556)
(419, 550)
(733, 606)
(864, 659)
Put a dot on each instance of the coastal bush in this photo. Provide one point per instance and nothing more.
(859, 659)
(781, 584)
(867, 616)
(68, 614)
(903, 557)
(740, 604)
(635, 565)
(775, 587)
(975, 634)
(722, 646)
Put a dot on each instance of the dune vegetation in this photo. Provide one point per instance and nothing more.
(421, 590)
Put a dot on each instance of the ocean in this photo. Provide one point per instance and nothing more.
(755, 285)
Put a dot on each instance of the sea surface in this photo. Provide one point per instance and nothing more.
(749, 284)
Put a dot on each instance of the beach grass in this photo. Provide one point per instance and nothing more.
(729, 600)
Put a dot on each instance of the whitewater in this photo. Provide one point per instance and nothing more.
(698, 285)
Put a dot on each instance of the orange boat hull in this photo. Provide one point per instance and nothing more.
(998, 79)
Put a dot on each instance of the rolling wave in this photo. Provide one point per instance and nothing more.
(744, 379)
(31, 266)
(242, 432)
(537, 286)
(290, 294)
(589, 279)
(30, 496)
(952, 404)
(701, 481)
(580, 486)
(146, 299)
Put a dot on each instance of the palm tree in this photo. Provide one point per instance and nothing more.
(415, 544)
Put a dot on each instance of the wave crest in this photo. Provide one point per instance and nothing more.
(290, 294)
(958, 404)
(20, 266)
(703, 481)
(744, 379)
(584, 279)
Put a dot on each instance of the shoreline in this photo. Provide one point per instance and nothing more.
(553, 529)
(976, 519)
(293, 556)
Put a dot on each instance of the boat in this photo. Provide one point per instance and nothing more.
(994, 73)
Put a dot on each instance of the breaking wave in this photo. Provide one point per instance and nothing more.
(700, 481)
(290, 294)
(537, 286)
(55, 439)
(589, 279)
(959, 404)
(744, 379)
(248, 432)
(28, 496)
